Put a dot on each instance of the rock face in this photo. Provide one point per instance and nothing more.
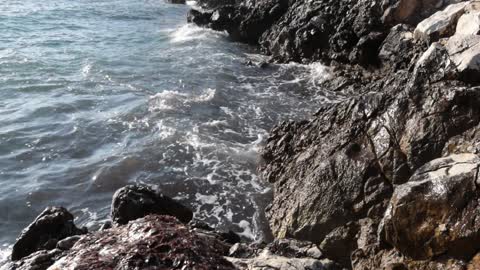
(302, 30)
(436, 211)
(52, 225)
(340, 31)
(152, 242)
(334, 175)
(136, 201)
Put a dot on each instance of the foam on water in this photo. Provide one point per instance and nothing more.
(5, 252)
(190, 32)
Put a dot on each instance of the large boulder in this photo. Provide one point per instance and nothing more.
(441, 24)
(152, 242)
(341, 166)
(464, 51)
(436, 211)
(469, 24)
(52, 225)
(136, 201)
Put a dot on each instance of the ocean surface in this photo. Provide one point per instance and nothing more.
(97, 94)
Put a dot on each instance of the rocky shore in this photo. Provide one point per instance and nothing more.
(385, 179)
(388, 178)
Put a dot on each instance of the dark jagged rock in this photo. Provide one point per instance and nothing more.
(305, 30)
(152, 242)
(199, 18)
(397, 49)
(52, 225)
(137, 201)
(340, 243)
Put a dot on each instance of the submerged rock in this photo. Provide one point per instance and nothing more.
(137, 201)
(51, 226)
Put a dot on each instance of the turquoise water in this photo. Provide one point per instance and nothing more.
(98, 94)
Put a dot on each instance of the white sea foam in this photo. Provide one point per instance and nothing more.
(206, 199)
(174, 100)
(189, 32)
(165, 131)
(192, 3)
(5, 252)
(247, 229)
(318, 73)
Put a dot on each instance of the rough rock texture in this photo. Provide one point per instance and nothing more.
(345, 31)
(282, 254)
(52, 225)
(146, 242)
(136, 201)
(436, 211)
(441, 24)
(464, 51)
(469, 24)
(267, 260)
(411, 11)
(302, 30)
(397, 48)
(152, 242)
(342, 165)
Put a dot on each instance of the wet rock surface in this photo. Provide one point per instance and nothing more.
(163, 242)
(152, 242)
(136, 201)
(436, 212)
(51, 226)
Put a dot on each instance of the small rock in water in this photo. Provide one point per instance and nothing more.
(137, 201)
(52, 225)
